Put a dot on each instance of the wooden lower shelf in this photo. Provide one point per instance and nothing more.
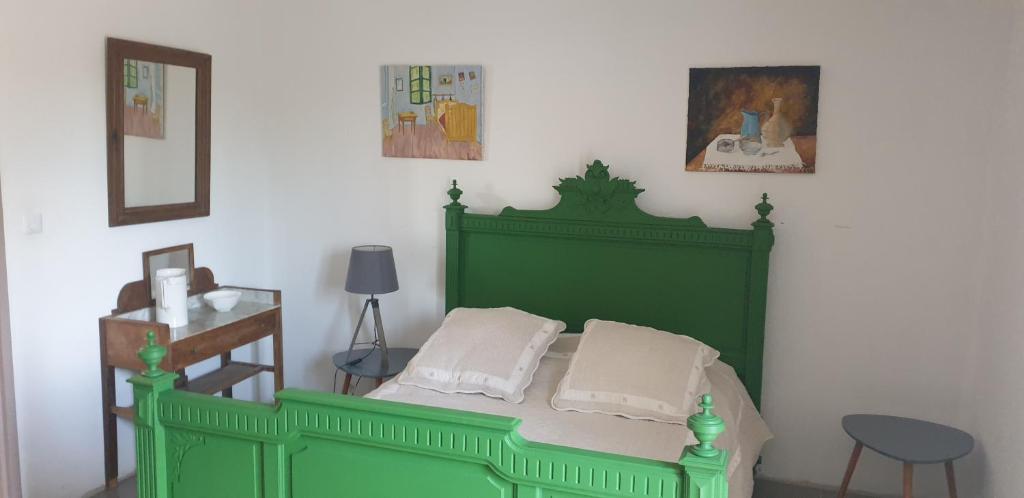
(224, 377)
(125, 412)
(211, 383)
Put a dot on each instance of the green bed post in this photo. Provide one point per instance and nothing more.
(453, 239)
(764, 239)
(150, 441)
(705, 468)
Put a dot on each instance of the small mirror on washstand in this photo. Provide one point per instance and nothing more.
(182, 257)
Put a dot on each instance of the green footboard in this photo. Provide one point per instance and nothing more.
(315, 445)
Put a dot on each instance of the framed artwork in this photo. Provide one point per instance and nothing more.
(144, 99)
(753, 119)
(427, 122)
(399, 85)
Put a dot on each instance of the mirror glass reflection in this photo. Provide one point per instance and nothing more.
(159, 134)
(174, 258)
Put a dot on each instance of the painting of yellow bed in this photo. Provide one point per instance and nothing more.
(432, 112)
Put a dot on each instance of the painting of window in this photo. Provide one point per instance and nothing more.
(419, 84)
(131, 73)
(144, 99)
(446, 124)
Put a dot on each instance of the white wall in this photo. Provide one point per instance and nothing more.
(999, 388)
(875, 277)
(871, 305)
(53, 162)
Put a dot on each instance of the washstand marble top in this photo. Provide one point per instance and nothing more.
(203, 318)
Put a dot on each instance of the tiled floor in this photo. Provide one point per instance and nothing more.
(763, 489)
(125, 490)
(776, 489)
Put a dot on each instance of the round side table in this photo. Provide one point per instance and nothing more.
(908, 440)
(371, 365)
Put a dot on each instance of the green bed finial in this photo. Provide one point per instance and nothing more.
(455, 193)
(706, 427)
(152, 354)
(764, 209)
(597, 171)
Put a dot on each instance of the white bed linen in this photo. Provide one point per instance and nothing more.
(664, 378)
(745, 432)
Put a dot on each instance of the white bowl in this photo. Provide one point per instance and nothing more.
(222, 300)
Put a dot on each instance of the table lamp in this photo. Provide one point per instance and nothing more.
(371, 270)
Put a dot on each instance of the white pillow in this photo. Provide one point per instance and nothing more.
(491, 351)
(635, 372)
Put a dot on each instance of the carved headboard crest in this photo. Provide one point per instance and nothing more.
(597, 193)
(597, 196)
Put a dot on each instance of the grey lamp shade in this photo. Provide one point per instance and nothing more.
(371, 270)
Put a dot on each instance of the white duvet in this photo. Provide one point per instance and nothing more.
(745, 431)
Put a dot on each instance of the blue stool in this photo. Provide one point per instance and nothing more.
(908, 440)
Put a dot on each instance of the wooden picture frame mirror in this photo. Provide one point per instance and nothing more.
(182, 256)
(158, 133)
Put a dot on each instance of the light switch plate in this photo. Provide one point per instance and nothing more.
(33, 223)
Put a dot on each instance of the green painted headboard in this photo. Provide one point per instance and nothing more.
(597, 255)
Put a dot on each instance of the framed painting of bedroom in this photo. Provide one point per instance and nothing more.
(432, 111)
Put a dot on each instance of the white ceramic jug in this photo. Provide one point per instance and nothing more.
(171, 297)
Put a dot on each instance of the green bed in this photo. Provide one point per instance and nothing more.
(594, 255)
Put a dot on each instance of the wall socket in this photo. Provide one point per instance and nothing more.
(33, 223)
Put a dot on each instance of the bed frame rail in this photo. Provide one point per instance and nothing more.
(314, 444)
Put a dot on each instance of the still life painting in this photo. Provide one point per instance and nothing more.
(428, 112)
(753, 119)
(144, 99)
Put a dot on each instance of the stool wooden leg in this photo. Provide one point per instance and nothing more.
(950, 479)
(849, 469)
(380, 380)
(346, 384)
(908, 480)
